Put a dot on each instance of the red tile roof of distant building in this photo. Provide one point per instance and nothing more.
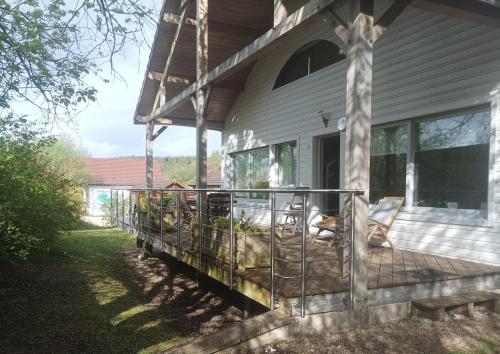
(123, 172)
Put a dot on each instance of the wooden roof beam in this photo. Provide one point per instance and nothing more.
(173, 79)
(214, 26)
(471, 10)
(186, 122)
(155, 75)
(247, 54)
(184, 10)
(388, 18)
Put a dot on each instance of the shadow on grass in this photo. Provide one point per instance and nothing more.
(92, 296)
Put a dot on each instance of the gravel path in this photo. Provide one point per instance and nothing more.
(456, 335)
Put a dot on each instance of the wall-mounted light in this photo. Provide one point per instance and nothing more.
(324, 119)
(341, 124)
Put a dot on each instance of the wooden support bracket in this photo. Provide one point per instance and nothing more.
(330, 17)
(158, 133)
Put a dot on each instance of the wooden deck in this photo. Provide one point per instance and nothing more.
(387, 267)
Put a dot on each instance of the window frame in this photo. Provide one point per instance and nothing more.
(407, 123)
(276, 168)
(466, 217)
(304, 48)
(233, 177)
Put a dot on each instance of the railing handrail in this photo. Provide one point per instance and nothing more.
(246, 190)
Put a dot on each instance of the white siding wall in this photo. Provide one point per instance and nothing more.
(425, 63)
(95, 195)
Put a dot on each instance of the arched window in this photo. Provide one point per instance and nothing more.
(308, 59)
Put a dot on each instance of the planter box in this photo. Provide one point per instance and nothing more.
(252, 249)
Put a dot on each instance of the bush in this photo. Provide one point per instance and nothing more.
(37, 201)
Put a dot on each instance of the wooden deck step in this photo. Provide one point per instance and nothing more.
(435, 308)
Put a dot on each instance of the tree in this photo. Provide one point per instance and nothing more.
(50, 49)
(37, 200)
(68, 158)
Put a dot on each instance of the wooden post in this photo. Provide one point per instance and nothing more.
(201, 70)
(358, 133)
(200, 107)
(280, 12)
(149, 153)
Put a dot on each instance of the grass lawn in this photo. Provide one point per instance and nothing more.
(84, 297)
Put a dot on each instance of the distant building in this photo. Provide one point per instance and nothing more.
(213, 180)
(117, 173)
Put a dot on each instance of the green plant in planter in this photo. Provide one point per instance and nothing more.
(169, 222)
(219, 223)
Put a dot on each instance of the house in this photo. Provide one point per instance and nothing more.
(110, 173)
(399, 99)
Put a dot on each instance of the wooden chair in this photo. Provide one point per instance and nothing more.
(334, 224)
(380, 220)
(293, 213)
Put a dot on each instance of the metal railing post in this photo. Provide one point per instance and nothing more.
(111, 205)
(123, 210)
(178, 207)
(200, 230)
(148, 199)
(161, 220)
(273, 251)
(351, 248)
(117, 209)
(231, 240)
(303, 258)
(139, 227)
(130, 209)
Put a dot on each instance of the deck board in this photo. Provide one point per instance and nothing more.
(398, 268)
(447, 268)
(421, 267)
(374, 267)
(410, 267)
(386, 268)
(385, 274)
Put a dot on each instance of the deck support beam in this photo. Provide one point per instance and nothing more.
(358, 133)
(149, 153)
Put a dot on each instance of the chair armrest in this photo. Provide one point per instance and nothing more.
(324, 216)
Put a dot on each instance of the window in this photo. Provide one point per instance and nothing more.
(308, 59)
(286, 158)
(447, 166)
(388, 162)
(252, 171)
(452, 161)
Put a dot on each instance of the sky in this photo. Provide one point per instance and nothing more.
(105, 128)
